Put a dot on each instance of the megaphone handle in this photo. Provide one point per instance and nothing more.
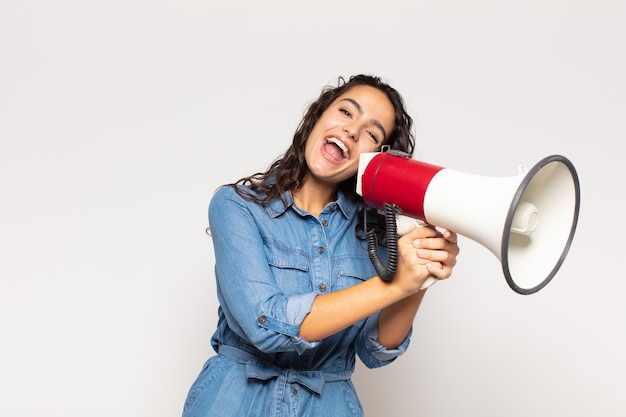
(393, 222)
(405, 225)
(429, 281)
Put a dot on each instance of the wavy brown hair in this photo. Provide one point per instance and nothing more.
(287, 173)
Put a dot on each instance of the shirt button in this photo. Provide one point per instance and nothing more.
(320, 250)
(324, 222)
(262, 319)
(323, 287)
(294, 391)
(304, 359)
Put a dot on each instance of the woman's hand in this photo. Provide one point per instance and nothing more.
(424, 252)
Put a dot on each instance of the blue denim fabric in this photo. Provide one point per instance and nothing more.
(270, 266)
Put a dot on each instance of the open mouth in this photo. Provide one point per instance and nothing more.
(336, 149)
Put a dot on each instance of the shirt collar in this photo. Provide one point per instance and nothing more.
(277, 207)
(348, 208)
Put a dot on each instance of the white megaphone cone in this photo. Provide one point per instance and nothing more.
(527, 221)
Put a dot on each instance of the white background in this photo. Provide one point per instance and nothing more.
(118, 119)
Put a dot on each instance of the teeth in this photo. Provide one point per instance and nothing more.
(341, 146)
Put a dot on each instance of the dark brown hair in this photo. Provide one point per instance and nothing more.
(287, 172)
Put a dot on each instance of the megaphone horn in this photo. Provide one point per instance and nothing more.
(527, 221)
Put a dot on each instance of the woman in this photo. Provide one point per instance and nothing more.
(299, 297)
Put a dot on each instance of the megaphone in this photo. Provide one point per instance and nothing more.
(527, 220)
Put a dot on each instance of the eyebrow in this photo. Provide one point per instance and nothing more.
(374, 121)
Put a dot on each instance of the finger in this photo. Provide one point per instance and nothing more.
(434, 243)
(438, 270)
(438, 256)
(450, 236)
(423, 232)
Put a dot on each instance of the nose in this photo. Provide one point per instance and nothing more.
(351, 131)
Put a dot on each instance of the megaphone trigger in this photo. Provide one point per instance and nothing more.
(405, 224)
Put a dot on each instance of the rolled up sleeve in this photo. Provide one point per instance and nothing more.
(254, 304)
(372, 353)
(298, 307)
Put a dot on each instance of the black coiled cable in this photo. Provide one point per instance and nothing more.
(385, 272)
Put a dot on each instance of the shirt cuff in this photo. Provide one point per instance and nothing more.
(298, 306)
(378, 351)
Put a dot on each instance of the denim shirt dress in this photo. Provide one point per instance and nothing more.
(271, 264)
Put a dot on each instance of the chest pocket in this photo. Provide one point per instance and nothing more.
(353, 270)
(290, 267)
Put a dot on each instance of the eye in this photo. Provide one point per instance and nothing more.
(345, 112)
(373, 136)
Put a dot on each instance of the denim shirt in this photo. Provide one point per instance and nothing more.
(270, 266)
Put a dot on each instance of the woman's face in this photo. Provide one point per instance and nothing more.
(360, 120)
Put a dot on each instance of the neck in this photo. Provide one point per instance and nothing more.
(312, 198)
